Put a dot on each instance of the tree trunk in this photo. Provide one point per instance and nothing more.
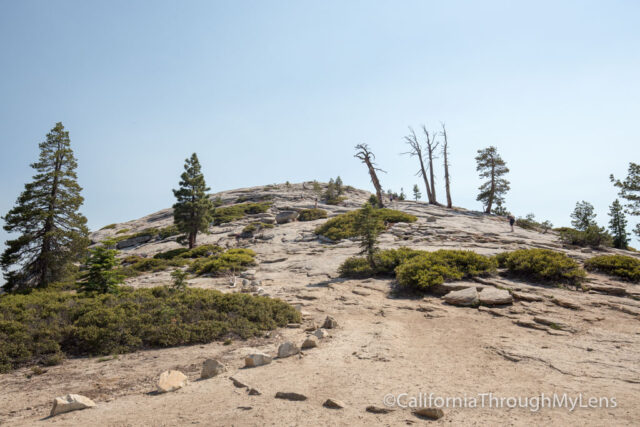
(426, 179)
(49, 224)
(363, 153)
(445, 151)
(493, 187)
(431, 146)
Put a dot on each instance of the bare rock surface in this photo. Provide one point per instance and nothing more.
(385, 343)
(465, 297)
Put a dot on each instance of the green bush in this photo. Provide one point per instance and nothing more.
(424, 270)
(109, 227)
(593, 236)
(625, 267)
(161, 233)
(542, 265)
(385, 263)
(343, 226)
(45, 326)
(231, 260)
(312, 214)
(254, 227)
(170, 254)
(222, 215)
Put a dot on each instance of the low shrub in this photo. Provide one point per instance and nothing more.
(343, 226)
(312, 214)
(254, 227)
(222, 215)
(159, 233)
(109, 227)
(542, 265)
(424, 270)
(593, 236)
(385, 261)
(231, 260)
(624, 267)
(124, 230)
(46, 326)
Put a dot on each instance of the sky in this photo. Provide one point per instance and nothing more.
(273, 91)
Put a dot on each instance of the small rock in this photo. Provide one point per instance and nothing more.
(333, 404)
(330, 323)
(290, 396)
(312, 327)
(248, 274)
(310, 342)
(286, 216)
(293, 325)
(256, 359)
(254, 392)
(525, 296)
(211, 368)
(431, 413)
(238, 383)
(70, 402)
(494, 296)
(378, 410)
(288, 349)
(465, 297)
(171, 381)
(321, 333)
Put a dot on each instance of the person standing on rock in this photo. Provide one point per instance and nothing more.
(512, 221)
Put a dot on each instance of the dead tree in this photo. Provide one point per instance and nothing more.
(416, 150)
(445, 154)
(368, 158)
(432, 144)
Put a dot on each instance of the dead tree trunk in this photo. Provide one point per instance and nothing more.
(431, 148)
(416, 150)
(368, 158)
(445, 153)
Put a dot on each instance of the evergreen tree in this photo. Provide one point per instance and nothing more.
(618, 226)
(630, 191)
(339, 186)
(193, 210)
(53, 234)
(402, 196)
(102, 277)
(583, 216)
(491, 166)
(368, 227)
(500, 209)
(416, 192)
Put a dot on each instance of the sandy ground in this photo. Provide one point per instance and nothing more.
(384, 344)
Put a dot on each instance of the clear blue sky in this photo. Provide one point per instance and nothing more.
(270, 91)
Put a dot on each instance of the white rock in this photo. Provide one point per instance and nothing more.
(256, 359)
(70, 402)
(288, 349)
(494, 296)
(465, 297)
(211, 368)
(171, 381)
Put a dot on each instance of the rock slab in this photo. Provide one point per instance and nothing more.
(494, 296)
(70, 402)
(464, 298)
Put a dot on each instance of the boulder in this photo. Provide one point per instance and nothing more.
(286, 216)
(288, 349)
(133, 241)
(70, 402)
(211, 368)
(290, 396)
(494, 296)
(431, 413)
(330, 323)
(333, 404)
(171, 381)
(465, 297)
(256, 359)
(310, 342)
(254, 392)
(321, 333)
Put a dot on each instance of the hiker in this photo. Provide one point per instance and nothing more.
(315, 206)
(512, 221)
(390, 198)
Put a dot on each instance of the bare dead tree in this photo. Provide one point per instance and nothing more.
(368, 158)
(431, 145)
(445, 154)
(416, 150)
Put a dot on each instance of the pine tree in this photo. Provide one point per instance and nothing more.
(490, 165)
(368, 227)
(630, 191)
(53, 234)
(102, 276)
(416, 192)
(583, 216)
(339, 186)
(402, 196)
(618, 225)
(193, 210)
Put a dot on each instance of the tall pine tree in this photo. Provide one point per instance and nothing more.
(618, 225)
(630, 191)
(53, 234)
(193, 210)
(491, 166)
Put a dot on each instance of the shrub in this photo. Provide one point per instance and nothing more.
(222, 215)
(593, 236)
(102, 276)
(160, 233)
(255, 227)
(108, 227)
(230, 260)
(542, 265)
(424, 270)
(124, 230)
(343, 226)
(312, 214)
(385, 263)
(170, 254)
(44, 326)
(179, 278)
(625, 267)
